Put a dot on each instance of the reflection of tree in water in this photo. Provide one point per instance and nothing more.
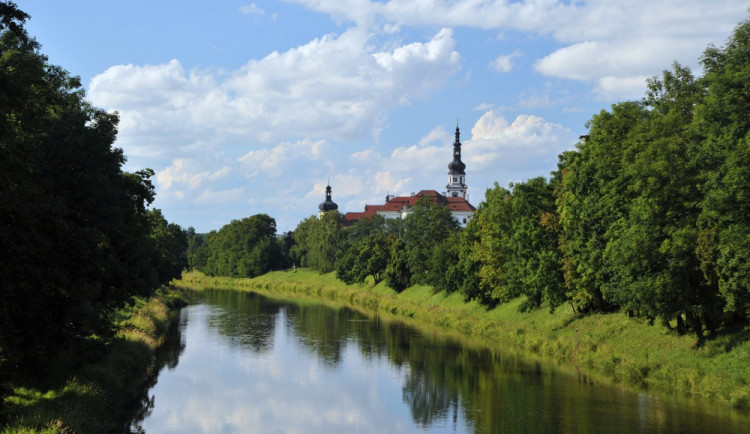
(483, 390)
(326, 331)
(245, 319)
(168, 355)
(427, 399)
(321, 330)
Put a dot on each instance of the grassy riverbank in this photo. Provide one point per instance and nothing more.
(609, 347)
(90, 397)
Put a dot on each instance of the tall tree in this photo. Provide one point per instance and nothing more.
(534, 264)
(722, 119)
(592, 198)
(492, 226)
(426, 227)
(318, 242)
(75, 231)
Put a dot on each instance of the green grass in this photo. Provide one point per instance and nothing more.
(607, 347)
(91, 397)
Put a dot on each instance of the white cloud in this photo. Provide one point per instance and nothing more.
(184, 172)
(273, 161)
(438, 134)
(252, 9)
(419, 159)
(611, 88)
(211, 197)
(386, 182)
(529, 141)
(601, 39)
(482, 107)
(349, 184)
(504, 63)
(334, 87)
(533, 99)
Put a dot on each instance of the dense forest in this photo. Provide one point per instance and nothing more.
(78, 238)
(649, 215)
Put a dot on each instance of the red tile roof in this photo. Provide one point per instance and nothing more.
(398, 203)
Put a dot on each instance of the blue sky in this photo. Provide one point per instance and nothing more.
(246, 107)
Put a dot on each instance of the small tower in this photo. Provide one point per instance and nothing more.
(456, 176)
(328, 205)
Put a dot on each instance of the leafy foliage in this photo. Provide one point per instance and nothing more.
(78, 241)
(318, 242)
(244, 248)
(425, 229)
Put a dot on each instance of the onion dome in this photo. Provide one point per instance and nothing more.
(328, 205)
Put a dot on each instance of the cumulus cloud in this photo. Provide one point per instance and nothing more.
(527, 142)
(602, 41)
(333, 87)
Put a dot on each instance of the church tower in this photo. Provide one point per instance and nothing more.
(328, 205)
(456, 175)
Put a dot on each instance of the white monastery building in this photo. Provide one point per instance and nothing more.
(401, 206)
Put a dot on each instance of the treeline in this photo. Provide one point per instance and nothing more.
(649, 215)
(77, 238)
(242, 248)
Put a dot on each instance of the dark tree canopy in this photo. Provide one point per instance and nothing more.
(244, 248)
(77, 240)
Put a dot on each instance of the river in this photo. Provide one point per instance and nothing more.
(242, 363)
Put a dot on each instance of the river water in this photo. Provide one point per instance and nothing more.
(242, 363)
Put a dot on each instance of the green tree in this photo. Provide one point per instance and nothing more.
(492, 227)
(244, 248)
(397, 273)
(468, 280)
(318, 242)
(446, 272)
(534, 266)
(426, 227)
(365, 250)
(171, 244)
(197, 249)
(722, 121)
(75, 232)
(592, 197)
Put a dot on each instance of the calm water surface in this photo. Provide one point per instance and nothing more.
(241, 363)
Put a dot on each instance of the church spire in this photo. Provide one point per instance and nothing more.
(456, 174)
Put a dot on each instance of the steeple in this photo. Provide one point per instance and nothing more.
(328, 205)
(456, 174)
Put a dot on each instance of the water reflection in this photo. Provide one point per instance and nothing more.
(166, 356)
(254, 365)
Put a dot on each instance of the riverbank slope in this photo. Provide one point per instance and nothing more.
(91, 394)
(608, 347)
